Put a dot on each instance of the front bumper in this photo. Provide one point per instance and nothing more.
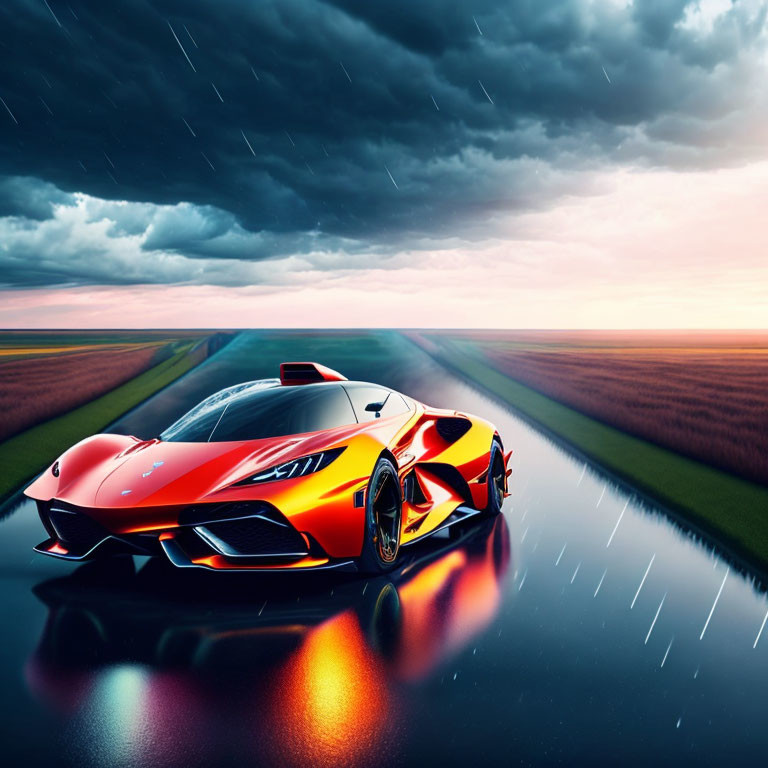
(244, 536)
(176, 553)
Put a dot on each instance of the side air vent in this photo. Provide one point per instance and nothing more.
(452, 428)
(412, 491)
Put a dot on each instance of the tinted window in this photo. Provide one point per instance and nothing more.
(270, 412)
(364, 394)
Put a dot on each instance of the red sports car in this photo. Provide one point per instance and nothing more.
(309, 471)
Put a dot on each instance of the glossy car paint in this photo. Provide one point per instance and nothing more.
(130, 486)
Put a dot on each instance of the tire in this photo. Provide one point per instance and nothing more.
(497, 479)
(383, 515)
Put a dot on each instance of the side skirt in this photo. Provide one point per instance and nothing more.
(459, 515)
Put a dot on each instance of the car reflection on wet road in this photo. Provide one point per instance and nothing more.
(151, 663)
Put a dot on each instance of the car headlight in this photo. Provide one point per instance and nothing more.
(306, 465)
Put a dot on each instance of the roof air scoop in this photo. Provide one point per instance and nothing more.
(307, 373)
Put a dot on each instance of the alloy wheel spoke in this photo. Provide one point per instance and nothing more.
(386, 516)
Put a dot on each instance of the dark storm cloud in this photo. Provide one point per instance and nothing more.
(291, 126)
(30, 198)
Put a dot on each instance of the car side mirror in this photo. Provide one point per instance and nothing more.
(375, 408)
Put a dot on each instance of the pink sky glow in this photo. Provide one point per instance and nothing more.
(647, 249)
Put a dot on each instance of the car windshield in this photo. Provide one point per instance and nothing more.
(257, 412)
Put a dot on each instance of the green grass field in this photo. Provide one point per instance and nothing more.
(9, 339)
(732, 510)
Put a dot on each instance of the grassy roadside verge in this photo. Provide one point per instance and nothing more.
(732, 510)
(25, 454)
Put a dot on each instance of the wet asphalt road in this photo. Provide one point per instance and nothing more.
(581, 627)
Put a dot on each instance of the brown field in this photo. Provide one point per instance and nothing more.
(704, 395)
(38, 388)
(45, 374)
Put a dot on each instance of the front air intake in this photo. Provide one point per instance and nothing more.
(253, 537)
(72, 525)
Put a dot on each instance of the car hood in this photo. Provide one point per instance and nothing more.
(164, 473)
(158, 473)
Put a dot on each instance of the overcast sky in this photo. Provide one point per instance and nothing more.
(589, 163)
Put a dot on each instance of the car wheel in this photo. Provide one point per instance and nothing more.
(497, 479)
(383, 514)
